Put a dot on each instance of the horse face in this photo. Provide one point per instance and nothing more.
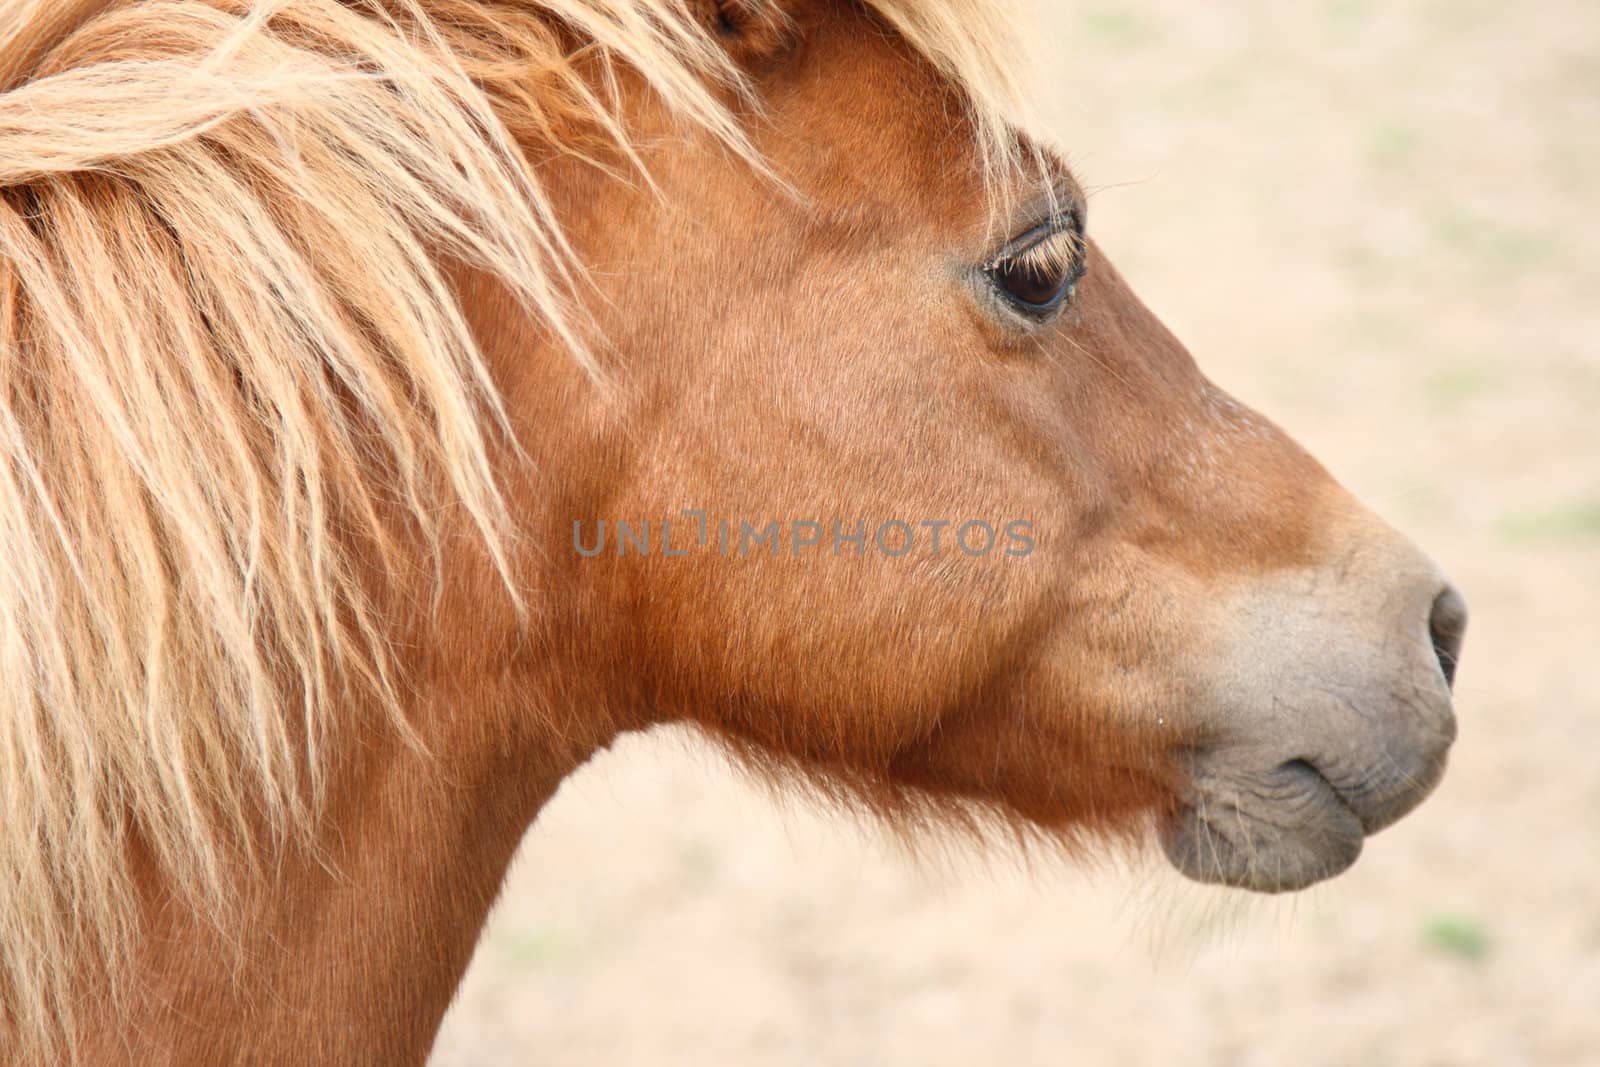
(1024, 552)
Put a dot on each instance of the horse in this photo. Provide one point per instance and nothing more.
(402, 399)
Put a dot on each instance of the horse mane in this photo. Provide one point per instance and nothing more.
(230, 349)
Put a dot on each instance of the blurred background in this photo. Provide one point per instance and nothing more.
(1378, 222)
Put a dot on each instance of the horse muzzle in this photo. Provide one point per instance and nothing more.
(1330, 719)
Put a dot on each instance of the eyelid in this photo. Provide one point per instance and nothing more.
(1055, 243)
(1057, 250)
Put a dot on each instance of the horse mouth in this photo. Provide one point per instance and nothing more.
(1287, 828)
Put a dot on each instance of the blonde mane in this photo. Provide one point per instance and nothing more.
(230, 352)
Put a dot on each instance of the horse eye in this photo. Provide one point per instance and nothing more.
(1038, 270)
(1037, 286)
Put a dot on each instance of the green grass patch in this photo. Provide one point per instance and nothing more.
(1571, 522)
(1452, 387)
(534, 950)
(1346, 17)
(1489, 242)
(1458, 936)
(1393, 145)
(1118, 27)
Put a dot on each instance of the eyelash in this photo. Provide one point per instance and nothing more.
(1061, 250)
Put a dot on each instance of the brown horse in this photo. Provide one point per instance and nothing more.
(399, 399)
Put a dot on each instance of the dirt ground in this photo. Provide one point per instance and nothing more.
(1378, 222)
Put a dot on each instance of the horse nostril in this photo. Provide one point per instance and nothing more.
(1447, 624)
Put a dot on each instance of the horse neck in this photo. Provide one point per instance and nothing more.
(350, 951)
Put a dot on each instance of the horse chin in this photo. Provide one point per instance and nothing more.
(1275, 832)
